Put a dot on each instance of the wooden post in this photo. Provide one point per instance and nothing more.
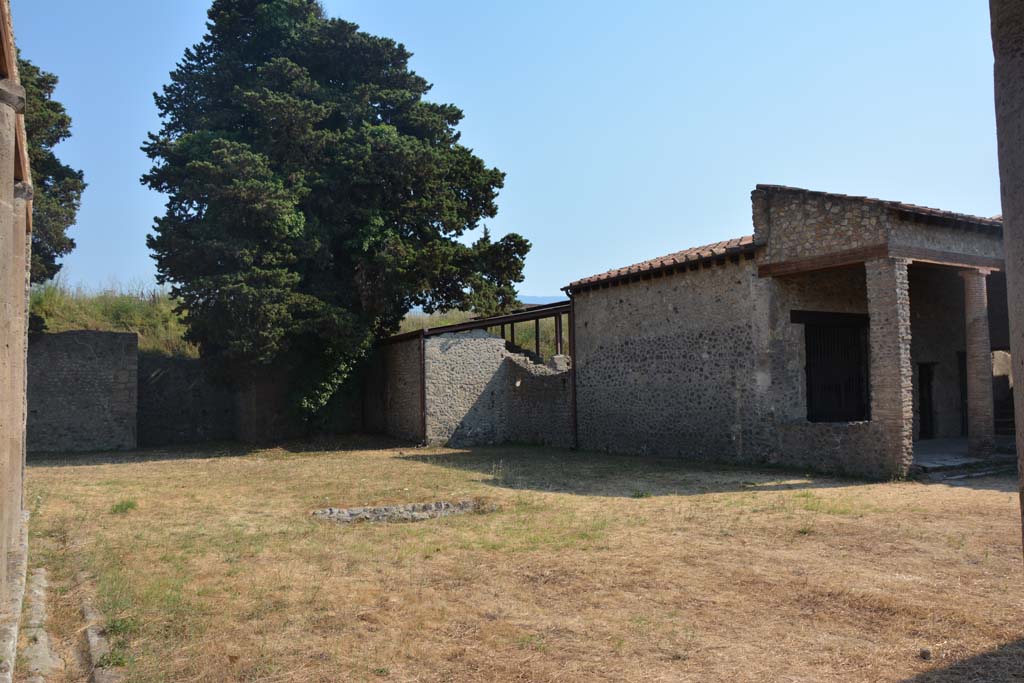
(512, 333)
(536, 336)
(502, 331)
(558, 334)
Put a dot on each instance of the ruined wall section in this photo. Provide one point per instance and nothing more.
(479, 393)
(82, 391)
(677, 366)
(539, 399)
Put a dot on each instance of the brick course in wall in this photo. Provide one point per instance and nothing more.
(82, 391)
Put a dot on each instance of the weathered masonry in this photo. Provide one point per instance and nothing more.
(461, 386)
(82, 391)
(841, 333)
(15, 229)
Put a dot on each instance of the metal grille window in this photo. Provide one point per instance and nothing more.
(837, 369)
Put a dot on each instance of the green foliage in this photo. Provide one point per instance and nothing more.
(123, 506)
(314, 196)
(149, 313)
(57, 187)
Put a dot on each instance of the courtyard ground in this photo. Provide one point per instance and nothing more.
(209, 567)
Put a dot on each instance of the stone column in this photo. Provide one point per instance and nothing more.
(1008, 50)
(20, 277)
(892, 384)
(12, 102)
(980, 410)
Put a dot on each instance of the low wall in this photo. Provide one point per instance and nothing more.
(82, 391)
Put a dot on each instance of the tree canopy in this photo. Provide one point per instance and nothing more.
(57, 187)
(314, 195)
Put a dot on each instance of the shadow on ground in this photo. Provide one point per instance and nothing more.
(1004, 664)
(205, 451)
(597, 474)
(527, 467)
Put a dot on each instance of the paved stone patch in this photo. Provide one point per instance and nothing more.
(10, 610)
(40, 660)
(413, 512)
(97, 646)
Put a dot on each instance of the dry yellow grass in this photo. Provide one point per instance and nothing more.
(595, 568)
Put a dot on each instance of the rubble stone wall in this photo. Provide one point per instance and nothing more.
(82, 391)
(480, 393)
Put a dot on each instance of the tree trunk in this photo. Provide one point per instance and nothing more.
(1008, 48)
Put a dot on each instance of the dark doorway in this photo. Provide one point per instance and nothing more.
(837, 369)
(925, 402)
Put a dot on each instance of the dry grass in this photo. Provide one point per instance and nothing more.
(595, 568)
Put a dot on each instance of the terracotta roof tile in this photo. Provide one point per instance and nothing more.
(738, 245)
(746, 244)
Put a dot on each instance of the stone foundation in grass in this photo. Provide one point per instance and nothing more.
(413, 512)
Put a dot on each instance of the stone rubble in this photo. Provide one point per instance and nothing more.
(413, 512)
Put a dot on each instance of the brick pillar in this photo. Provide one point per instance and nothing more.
(892, 385)
(980, 411)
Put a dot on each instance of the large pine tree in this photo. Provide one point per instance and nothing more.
(314, 195)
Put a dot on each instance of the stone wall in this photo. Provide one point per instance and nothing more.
(539, 399)
(392, 399)
(822, 446)
(82, 391)
(708, 365)
(466, 383)
(178, 404)
(792, 223)
(479, 393)
(677, 366)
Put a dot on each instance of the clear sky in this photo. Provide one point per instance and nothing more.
(627, 129)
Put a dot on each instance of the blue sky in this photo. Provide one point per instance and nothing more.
(627, 130)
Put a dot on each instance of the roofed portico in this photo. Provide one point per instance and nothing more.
(927, 300)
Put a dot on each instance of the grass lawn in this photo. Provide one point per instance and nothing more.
(209, 567)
